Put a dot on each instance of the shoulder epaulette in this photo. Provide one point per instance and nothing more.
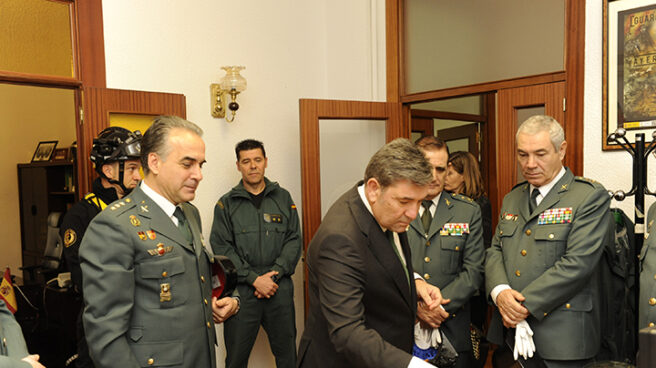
(592, 182)
(520, 184)
(463, 198)
(94, 200)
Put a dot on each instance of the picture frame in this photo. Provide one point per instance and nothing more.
(60, 155)
(629, 69)
(44, 151)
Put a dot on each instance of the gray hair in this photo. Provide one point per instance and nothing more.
(157, 136)
(399, 160)
(543, 123)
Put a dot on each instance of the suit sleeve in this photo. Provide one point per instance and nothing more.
(107, 261)
(342, 282)
(13, 340)
(286, 262)
(583, 251)
(222, 240)
(469, 280)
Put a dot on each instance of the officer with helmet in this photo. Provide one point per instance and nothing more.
(115, 154)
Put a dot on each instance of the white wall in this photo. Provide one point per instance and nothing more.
(291, 50)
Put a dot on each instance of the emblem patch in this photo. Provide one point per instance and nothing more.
(160, 250)
(134, 221)
(556, 216)
(142, 235)
(151, 234)
(454, 229)
(69, 237)
(165, 292)
(509, 216)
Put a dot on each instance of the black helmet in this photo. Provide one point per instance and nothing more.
(115, 144)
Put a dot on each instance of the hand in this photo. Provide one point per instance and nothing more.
(429, 304)
(224, 308)
(510, 307)
(265, 286)
(33, 360)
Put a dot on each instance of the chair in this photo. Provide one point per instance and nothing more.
(53, 250)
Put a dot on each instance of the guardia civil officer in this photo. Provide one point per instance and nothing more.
(447, 250)
(541, 269)
(115, 154)
(13, 350)
(146, 267)
(256, 226)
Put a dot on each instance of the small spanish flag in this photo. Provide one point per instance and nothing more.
(7, 292)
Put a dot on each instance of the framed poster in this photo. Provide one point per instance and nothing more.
(629, 97)
(43, 151)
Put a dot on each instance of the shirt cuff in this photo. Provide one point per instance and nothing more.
(418, 276)
(418, 363)
(498, 289)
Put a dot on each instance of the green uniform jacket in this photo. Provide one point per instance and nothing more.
(647, 306)
(451, 260)
(12, 343)
(554, 264)
(257, 240)
(146, 289)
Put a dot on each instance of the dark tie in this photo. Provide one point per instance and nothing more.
(426, 217)
(182, 224)
(533, 203)
(390, 237)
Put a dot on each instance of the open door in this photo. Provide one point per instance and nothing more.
(100, 104)
(337, 140)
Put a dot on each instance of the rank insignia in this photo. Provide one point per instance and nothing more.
(134, 221)
(454, 229)
(144, 208)
(556, 216)
(151, 234)
(448, 203)
(128, 200)
(165, 292)
(273, 218)
(142, 235)
(69, 237)
(160, 250)
(220, 204)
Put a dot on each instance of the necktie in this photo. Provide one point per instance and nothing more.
(532, 203)
(182, 224)
(426, 217)
(390, 237)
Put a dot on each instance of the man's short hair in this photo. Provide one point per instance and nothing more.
(431, 143)
(399, 160)
(543, 123)
(156, 137)
(247, 145)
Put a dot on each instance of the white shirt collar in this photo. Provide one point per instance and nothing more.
(545, 189)
(162, 202)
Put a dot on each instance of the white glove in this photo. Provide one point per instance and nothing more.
(524, 345)
(427, 337)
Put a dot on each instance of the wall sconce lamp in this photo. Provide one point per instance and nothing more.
(232, 83)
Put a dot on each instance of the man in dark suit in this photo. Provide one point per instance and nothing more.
(146, 267)
(541, 270)
(363, 296)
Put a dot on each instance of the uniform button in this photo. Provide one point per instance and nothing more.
(205, 301)
(128, 200)
(654, 277)
(426, 276)
(551, 236)
(151, 361)
(528, 231)
(202, 278)
(651, 324)
(517, 273)
(209, 325)
(428, 244)
(457, 248)
(568, 306)
(164, 274)
(652, 301)
(427, 259)
(500, 232)
(545, 314)
(523, 252)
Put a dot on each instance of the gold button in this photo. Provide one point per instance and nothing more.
(457, 248)
(202, 278)
(651, 324)
(551, 236)
(545, 314)
(128, 200)
(209, 325)
(426, 276)
(500, 232)
(524, 252)
(164, 274)
(151, 361)
(427, 259)
(205, 301)
(517, 273)
(654, 277)
(568, 306)
(428, 244)
(652, 301)
(528, 231)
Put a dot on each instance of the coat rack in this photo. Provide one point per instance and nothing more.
(639, 189)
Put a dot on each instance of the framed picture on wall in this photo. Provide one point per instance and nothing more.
(44, 151)
(629, 75)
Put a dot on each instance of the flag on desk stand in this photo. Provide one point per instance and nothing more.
(7, 292)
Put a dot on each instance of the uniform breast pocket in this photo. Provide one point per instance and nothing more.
(160, 283)
(451, 255)
(553, 241)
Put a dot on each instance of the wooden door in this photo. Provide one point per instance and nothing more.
(100, 103)
(315, 115)
(514, 106)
